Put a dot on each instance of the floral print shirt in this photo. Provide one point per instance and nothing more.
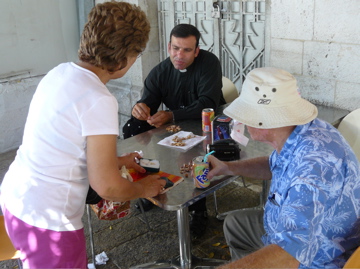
(314, 200)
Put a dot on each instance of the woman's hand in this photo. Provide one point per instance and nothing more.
(129, 160)
(152, 185)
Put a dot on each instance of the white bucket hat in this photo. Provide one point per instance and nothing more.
(270, 99)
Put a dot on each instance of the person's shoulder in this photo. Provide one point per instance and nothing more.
(207, 56)
(163, 66)
(206, 53)
(67, 69)
(318, 123)
(62, 66)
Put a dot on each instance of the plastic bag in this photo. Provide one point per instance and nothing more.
(110, 210)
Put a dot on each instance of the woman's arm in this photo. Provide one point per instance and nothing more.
(104, 175)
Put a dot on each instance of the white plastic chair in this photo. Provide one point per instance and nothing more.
(230, 93)
(7, 250)
(349, 127)
(354, 260)
(229, 90)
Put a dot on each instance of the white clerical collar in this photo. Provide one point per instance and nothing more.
(183, 71)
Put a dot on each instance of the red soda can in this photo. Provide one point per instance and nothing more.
(207, 117)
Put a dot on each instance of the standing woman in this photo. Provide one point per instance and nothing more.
(70, 141)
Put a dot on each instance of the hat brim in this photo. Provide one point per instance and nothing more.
(297, 113)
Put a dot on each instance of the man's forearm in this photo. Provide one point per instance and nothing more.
(271, 256)
(257, 168)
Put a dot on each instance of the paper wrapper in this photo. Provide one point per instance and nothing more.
(237, 133)
(110, 210)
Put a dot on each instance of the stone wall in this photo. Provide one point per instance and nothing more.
(128, 89)
(319, 42)
(16, 92)
(15, 97)
(33, 41)
(316, 40)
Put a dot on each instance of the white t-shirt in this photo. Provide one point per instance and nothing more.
(47, 183)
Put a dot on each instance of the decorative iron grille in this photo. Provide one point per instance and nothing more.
(232, 30)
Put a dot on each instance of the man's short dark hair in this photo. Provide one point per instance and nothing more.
(185, 30)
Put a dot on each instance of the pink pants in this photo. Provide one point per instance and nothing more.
(41, 248)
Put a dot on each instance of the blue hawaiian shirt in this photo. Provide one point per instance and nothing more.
(314, 202)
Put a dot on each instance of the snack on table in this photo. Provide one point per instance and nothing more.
(178, 144)
(186, 169)
(179, 141)
(173, 128)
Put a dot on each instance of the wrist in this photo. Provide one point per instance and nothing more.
(139, 189)
(172, 118)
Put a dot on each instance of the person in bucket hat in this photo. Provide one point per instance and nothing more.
(270, 99)
(310, 219)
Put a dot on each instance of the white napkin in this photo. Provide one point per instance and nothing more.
(189, 143)
(101, 258)
(237, 133)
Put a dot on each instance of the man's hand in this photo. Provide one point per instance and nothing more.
(141, 111)
(160, 118)
(217, 167)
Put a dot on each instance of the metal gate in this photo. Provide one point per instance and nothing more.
(233, 30)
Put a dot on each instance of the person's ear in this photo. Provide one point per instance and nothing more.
(197, 50)
(123, 63)
(121, 66)
(169, 47)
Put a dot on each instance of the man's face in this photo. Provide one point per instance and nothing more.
(182, 51)
(258, 134)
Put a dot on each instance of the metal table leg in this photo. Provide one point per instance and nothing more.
(186, 260)
(184, 237)
(144, 214)
(91, 236)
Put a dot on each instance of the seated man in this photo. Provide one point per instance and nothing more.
(311, 218)
(186, 82)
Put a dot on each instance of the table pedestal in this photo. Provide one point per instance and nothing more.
(186, 260)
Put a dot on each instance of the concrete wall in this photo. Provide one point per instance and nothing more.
(35, 36)
(316, 40)
(128, 89)
(33, 44)
(319, 42)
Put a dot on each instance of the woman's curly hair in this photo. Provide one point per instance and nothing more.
(114, 31)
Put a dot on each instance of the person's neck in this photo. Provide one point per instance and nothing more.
(279, 137)
(101, 73)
